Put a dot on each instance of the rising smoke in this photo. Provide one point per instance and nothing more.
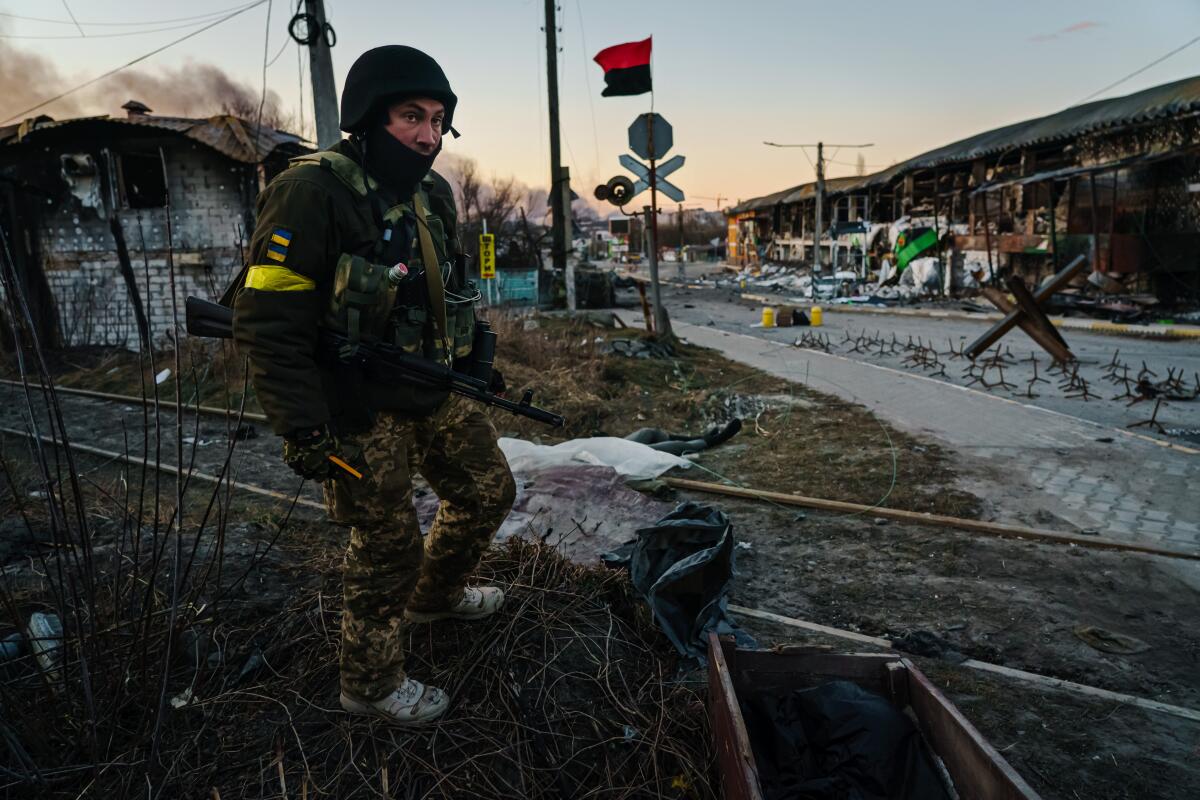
(192, 90)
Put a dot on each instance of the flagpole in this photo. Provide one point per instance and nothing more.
(662, 324)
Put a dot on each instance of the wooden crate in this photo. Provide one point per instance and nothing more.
(978, 770)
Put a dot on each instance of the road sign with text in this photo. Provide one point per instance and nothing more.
(487, 255)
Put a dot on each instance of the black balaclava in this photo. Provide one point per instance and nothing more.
(393, 163)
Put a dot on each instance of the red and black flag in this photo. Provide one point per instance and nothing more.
(626, 68)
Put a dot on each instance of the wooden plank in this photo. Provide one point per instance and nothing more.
(1081, 688)
(983, 666)
(649, 317)
(792, 622)
(735, 758)
(1059, 281)
(978, 769)
(170, 470)
(935, 520)
(165, 405)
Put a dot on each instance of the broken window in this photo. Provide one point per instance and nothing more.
(142, 182)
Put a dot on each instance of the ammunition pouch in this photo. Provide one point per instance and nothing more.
(360, 299)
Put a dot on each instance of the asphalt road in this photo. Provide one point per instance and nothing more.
(1180, 420)
(1048, 461)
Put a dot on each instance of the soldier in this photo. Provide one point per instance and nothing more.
(362, 239)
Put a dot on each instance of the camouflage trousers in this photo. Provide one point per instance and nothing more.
(387, 566)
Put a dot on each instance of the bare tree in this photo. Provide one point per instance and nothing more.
(499, 204)
(469, 189)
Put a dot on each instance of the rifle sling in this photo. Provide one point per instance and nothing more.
(433, 274)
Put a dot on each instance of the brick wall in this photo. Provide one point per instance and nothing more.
(211, 207)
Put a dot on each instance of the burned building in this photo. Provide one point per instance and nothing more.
(96, 209)
(1116, 179)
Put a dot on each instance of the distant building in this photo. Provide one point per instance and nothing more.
(1117, 179)
(65, 184)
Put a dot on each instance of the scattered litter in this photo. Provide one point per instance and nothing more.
(45, 640)
(11, 645)
(638, 348)
(182, 699)
(38, 494)
(162, 376)
(630, 732)
(254, 662)
(880, 521)
(1110, 641)
(530, 325)
(744, 546)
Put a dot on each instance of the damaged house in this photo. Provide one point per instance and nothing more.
(1116, 179)
(94, 208)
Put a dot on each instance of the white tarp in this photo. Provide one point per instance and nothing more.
(629, 459)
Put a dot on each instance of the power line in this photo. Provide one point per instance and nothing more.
(115, 70)
(72, 16)
(209, 15)
(262, 101)
(588, 83)
(1137, 72)
(102, 35)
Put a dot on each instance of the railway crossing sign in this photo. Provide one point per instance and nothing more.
(650, 136)
(642, 172)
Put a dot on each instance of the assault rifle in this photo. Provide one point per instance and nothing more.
(384, 363)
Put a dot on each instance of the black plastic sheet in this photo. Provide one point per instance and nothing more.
(683, 567)
(838, 741)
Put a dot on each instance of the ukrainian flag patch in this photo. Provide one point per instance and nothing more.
(278, 245)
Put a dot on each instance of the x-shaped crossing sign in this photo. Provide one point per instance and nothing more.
(661, 171)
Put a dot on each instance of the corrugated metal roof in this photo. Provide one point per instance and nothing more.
(1179, 98)
(229, 135)
(1160, 102)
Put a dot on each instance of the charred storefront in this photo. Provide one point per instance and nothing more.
(95, 210)
(1117, 180)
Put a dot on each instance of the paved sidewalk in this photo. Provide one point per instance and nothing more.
(1028, 462)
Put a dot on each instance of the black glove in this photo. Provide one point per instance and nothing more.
(497, 385)
(307, 452)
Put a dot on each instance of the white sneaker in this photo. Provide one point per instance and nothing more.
(477, 602)
(411, 704)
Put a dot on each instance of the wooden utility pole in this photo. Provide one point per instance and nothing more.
(558, 253)
(320, 68)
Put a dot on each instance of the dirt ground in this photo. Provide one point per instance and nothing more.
(1009, 602)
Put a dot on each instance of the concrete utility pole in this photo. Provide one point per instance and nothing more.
(820, 208)
(820, 195)
(569, 272)
(680, 255)
(558, 251)
(320, 68)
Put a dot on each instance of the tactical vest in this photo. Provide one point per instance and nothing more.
(431, 313)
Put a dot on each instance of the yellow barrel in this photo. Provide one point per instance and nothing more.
(814, 316)
(768, 318)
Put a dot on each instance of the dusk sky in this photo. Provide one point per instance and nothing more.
(906, 76)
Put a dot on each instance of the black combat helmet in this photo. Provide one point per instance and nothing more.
(388, 71)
